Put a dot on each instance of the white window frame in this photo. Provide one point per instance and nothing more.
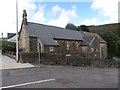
(56, 41)
(68, 46)
(77, 45)
(92, 49)
(51, 49)
(83, 48)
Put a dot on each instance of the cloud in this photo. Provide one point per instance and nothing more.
(91, 21)
(107, 9)
(39, 15)
(55, 9)
(8, 14)
(56, 16)
(74, 7)
(94, 21)
(61, 21)
(64, 16)
(35, 13)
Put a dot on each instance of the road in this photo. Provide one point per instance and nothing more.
(60, 77)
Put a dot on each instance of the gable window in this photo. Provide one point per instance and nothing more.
(51, 49)
(68, 45)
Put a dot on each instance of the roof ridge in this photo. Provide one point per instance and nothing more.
(53, 26)
(88, 32)
(88, 35)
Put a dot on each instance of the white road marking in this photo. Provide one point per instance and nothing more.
(27, 83)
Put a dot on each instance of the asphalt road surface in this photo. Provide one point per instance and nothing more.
(60, 77)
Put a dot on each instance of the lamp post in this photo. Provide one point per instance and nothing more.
(17, 31)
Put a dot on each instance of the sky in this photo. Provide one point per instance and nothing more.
(57, 13)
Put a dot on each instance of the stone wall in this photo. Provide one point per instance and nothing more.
(62, 48)
(33, 44)
(34, 57)
(24, 45)
(66, 59)
(103, 50)
(93, 50)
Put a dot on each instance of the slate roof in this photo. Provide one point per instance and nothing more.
(9, 35)
(101, 39)
(87, 40)
(90, 35)
(46, 34)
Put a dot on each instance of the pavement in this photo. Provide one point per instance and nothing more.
(9, 63)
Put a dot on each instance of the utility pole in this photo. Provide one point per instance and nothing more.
(17, 31)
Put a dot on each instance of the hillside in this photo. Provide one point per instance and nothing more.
(106, 28)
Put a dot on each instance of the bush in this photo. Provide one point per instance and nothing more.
(118, 53)
(8, 46)
(112, 43)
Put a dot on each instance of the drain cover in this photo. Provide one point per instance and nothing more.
(63, 81)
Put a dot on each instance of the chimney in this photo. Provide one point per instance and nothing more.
(25, 17)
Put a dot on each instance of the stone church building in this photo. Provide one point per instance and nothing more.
(35, 37)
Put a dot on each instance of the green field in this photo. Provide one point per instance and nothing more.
(114, 28)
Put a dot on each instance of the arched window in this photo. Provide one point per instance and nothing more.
(68, 45)
(77, 45)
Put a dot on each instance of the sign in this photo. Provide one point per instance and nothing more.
(39, 42)
(67, 55)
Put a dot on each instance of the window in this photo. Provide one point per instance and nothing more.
(68, 45)
(83, 48)
(96, 50)
(56, 41)
(42, 48)
(77, 45)
(51, 49)
(92, 49)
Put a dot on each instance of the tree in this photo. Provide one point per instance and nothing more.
(83, 28)
(112, 43)
(71, 26)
